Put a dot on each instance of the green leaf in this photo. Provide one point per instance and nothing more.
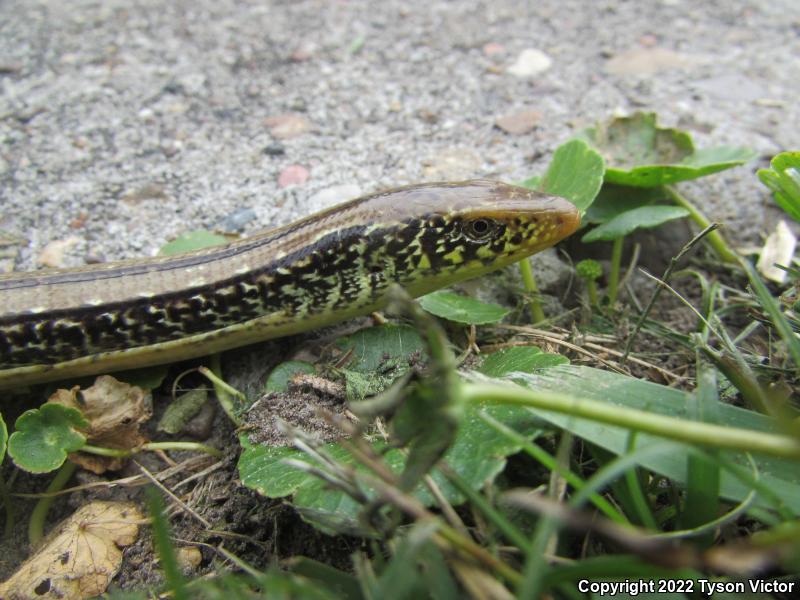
(162, 540)
(181, 410)
(378, 356)
(575, 173)
(783, 178)
(773, 309)
(639, 153)
(382, 348)
(3, 438)
(192, 240)
(278, 380)
(44, 436)
(478, 455)
(462, 309)
(645, 217)
(779, 475)
(613, 200)
(702, 475)
(523, 359)
(403, 577)
(359, 386)
(326, 577)
(426, 424)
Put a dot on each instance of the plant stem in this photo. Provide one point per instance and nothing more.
(224, 391)
(613, 276)
(591, 288)
(528, 280)
(39, 514)
(721, 247)
(196, 446)
(703, 434)
(126, 453)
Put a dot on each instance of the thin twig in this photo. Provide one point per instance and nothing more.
(561, 342)
(132, 481)
(172, 496)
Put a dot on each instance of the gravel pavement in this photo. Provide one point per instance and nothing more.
(124, 124)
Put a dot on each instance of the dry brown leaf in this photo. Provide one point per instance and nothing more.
(80, 557)
(115, 410)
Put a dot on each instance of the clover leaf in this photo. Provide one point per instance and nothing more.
(44, 436)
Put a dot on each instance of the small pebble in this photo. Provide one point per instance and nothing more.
(333, 195)
(52, 255)
(79, 221)
(530, 63)
(189, 558)
(275, 149)
(732, 86)
(648, 61)
(305, 51)
(293, 175)
(172, 148)
(237, 220)
(287, 126)
(519, 123)
(193, 84)
(493, 49)
(648, 40)
(148, 191)
(452, 164)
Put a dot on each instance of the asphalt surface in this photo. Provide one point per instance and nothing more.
(125, 124)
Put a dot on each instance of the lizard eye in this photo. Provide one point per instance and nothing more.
(479, 229)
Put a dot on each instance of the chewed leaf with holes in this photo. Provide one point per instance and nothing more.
(641, 154)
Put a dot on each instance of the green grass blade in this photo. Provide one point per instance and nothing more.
(771, 307)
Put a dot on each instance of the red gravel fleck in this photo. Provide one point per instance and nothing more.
(293, 175)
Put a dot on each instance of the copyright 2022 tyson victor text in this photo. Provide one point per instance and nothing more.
(706, 587)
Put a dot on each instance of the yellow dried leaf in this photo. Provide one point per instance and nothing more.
(81, 555)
